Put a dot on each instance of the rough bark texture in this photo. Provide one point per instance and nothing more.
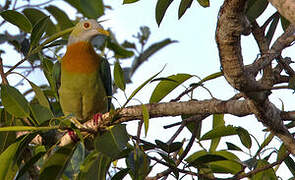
(230, 27)
(286, 8)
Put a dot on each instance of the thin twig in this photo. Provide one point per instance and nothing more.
(3, 75)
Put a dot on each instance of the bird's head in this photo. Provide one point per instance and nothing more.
(85, 30)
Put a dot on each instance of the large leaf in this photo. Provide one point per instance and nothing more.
(167, 85)
(61, 17)
(34, 15)
(255, 8)
(268, 174)
(119, 76)
(220, 132)
(38, 30)
(218, 120)
(10, 157)
(113, 141)
(41, 113)
(6, 138)
(40, 95)
(184, 5)
(17, 19)
(92, 8)
(54, 167)
(225, 166)
(244, 137)
(161, 9)
(120, 52)
(14, 102)
(95, 166)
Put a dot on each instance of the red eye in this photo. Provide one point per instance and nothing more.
(86, 25)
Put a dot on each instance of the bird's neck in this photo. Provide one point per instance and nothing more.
(80, 57)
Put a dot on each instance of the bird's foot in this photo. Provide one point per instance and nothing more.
(73, 136)
(97, 118)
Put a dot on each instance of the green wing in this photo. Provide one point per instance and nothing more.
(105, 74)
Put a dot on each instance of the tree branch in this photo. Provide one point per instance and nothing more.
(286, 8)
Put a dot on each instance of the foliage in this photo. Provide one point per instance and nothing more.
(22, 156)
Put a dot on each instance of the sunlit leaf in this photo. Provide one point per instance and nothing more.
(225, 166)
(165, 87)
(17, 19)
(204, 3)
(218, 120)
(220, 132)
(268, 174)
(146, 117)
(129, 1)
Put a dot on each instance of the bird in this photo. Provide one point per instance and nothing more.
(85, 84)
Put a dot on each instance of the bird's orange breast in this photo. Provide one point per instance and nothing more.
(80, 58)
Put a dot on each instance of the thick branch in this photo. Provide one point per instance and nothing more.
(286, 8)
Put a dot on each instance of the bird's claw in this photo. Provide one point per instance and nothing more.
(73, 136)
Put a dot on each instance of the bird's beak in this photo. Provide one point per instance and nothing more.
(102, 31)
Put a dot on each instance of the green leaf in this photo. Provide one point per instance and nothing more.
(92, 8)
(199, 158)
(167, 159)
(244, 137)
(113, 141)
(61, 17)
(220, 132)
(138, 162)
(17, 19)
(231, 146)
(129, 1)
(267, 174)
(290, 164)
(210, 77)
(119, 76)
(40, 95)
(165, 87)
(218, 120)
(141, 86)
(34, 15)
(291, 83)
(225, 166)
(95, 166)
(41, 113)
(76, 4)
(272, 28)
(27, 128)
(146, 117)
(184, 5)
(204, 3)
(255, 8)
(193, 126)
(120, 52)
(10, 157)
(38, 30)
(6, 138)
(14, 102)
(55, 165)
(161, 7)
(266, 141)
(284, 22)
(121, 174)
(169, 148)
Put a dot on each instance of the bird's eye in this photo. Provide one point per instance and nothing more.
(86, 25)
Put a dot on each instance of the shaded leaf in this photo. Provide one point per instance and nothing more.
(138, 162)
(119, 76)
(146, 117)
(41, 113)
(167, 159)
(231, 146)
(267, 174)
(95, 166)
(6, 138)
(204, 3)
(113, 141)
(76, 4)
(119, 51)
(203, 159)
(255, 8)
(61, 17)
(184, 5)
(290, 164)
(34, 15)
(14, 102)
(38, 30)
(284, 22)
(169, 148)
(17, 19)
(129, 1)
(121, 174)
(244, 137)
(165, 87)
(55, 165)
(40, 95)
(272, 28)
(92, 8)
(161, 8)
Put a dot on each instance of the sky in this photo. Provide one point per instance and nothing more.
(195, 53)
